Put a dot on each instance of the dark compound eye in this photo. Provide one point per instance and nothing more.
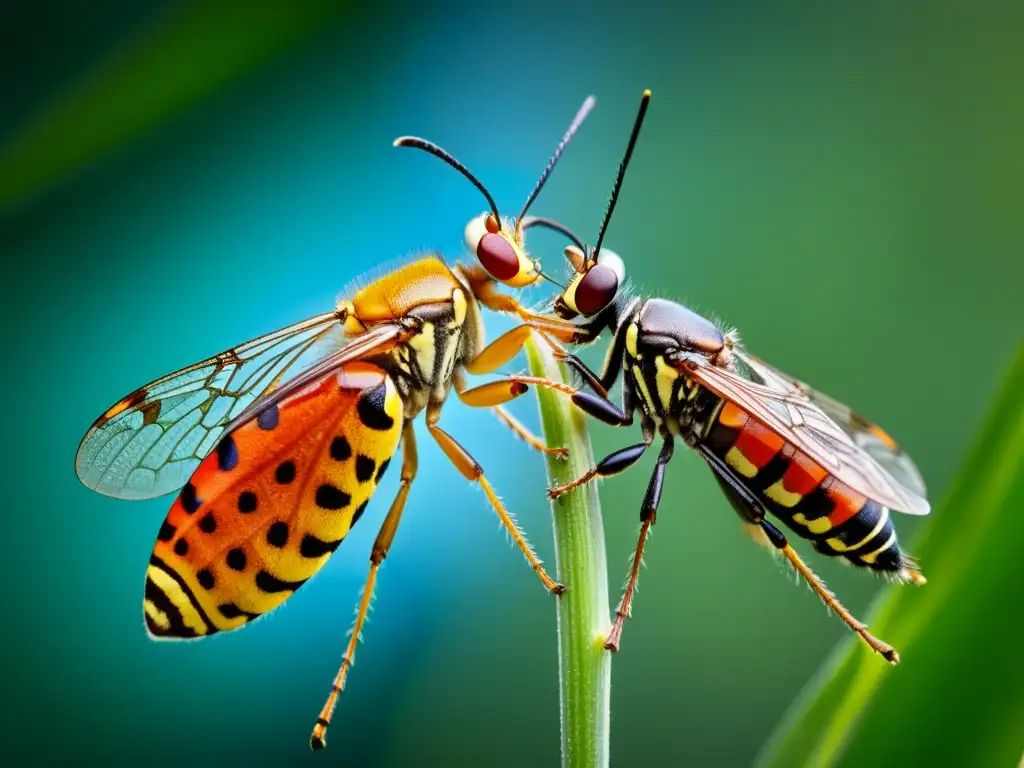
(596, 289)
(497, 256)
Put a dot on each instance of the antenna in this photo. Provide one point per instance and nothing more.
(577, 121)
(436, 151)
(540, 221)
(644, 101)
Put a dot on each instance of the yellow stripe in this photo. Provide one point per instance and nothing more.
(159, 617)
(837, 545)
(181, 601)
(740, 463)
(459, 306)
(422, 345)
(817, 525)
(780, 495)
(644, 392)
(871, 556)
(631, 334)
(666, 378)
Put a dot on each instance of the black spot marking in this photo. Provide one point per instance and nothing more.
(277, 534)
(205, 579)
(269, 417)
(267, 582)
(340, 449)
(166, 532)
(359, 512)
(247, 502)
(189, 500)
(364, 468)
(371, 409)
(236, 559)
(181, 547)
(232, 611)
(285, 472)
(329, 497)
(315, 547)
(381, 470)
(208, 524)
(227, 454)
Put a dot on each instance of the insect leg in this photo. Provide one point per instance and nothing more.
(473, 472)
(380, 550)
(492, 395)
(523, 433)
(619, 416)
(778, 540)
(499, 351)
(612, 464)
(610, 370)
(486, 291)
(648, 513)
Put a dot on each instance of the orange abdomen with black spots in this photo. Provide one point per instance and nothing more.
(265, 510)
(809, 500)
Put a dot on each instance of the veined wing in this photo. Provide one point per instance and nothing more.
(874, 440)
(149, 443)
(791, 414)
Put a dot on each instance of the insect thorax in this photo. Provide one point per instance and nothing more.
(672, 400)
(423, 366)
(437, 303)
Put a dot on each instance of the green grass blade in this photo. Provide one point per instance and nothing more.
(958, 696)
(191, 53)
(584, 666)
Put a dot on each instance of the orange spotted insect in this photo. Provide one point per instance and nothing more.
(278, 445)
(775, 445)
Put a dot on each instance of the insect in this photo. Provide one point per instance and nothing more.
(277, 446)
(776, 446)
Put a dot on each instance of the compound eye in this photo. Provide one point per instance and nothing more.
(497, 256)
(596, 290)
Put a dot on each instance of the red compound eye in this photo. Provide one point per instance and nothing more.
(498, 257)
(596, 290)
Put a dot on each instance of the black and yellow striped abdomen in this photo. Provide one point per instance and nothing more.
(266, 509)
(809, 500)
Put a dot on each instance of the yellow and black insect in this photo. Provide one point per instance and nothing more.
(775, 445)
(278, 445)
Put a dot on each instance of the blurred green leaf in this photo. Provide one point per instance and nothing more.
(188, 55)
(958, 696)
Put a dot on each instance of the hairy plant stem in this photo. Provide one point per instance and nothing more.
(584, 666)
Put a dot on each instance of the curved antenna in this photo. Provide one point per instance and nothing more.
(540, 221)
(577, 121)
(644, 101)
(436, 151)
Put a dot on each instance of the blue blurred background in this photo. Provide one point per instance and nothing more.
(840, 181)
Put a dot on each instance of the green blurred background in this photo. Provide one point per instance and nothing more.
(840, 181)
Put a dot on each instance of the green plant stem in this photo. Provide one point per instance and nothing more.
(584, 666)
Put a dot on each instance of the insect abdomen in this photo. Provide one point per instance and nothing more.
(266, 509)
(809, 500)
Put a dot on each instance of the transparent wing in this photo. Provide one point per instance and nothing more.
(788, 411)
(874, 440)
(149, 443)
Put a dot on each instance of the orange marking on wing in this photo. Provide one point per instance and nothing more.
(131, 401)
(732, 416)
(803, 475)
(847, 502)
(758, 443)
(427, 281)
(882, 435)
